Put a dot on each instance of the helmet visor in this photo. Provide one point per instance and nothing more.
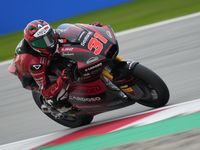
(44, 42)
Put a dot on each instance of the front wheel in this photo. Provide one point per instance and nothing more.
(71, 122)
(156, 93)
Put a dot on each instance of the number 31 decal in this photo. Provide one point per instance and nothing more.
(96, 43)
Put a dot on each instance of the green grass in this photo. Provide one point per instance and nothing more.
(121, 17)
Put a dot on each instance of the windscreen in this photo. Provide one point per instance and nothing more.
(69, 31)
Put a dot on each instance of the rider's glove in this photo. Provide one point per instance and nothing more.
(98, 24)
(65, 77)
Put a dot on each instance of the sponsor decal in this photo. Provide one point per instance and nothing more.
(56, 88)
(36, 67)
(92, 59)
(36, 74)
(68, 54)
(93, 67)
(42, 31)
(81, 35)
(66, 45)
(93, 99)
(86, 74)
(67, 49)
(86, 38)
(109, 34)
(85, 89)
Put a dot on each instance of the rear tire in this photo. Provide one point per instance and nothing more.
(155, 88)
(74, 122)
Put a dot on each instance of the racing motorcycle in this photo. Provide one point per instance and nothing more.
(103, 81)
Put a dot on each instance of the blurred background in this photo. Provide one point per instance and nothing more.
(120, 14)
(16, 14)
(171, 50)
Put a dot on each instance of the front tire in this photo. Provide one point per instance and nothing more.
(155, 89)
(72, 123)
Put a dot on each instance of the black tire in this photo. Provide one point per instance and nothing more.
(150, 83)
(74, 122)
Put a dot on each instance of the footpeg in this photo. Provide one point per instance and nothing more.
(58, 116)
(45, 108)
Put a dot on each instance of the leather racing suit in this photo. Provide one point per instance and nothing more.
(31, 69)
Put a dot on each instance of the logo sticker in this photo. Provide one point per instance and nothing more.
(42, 31)
(86, 38)
(109, 34)
(92, 59)
(36, 67)
(93, 67)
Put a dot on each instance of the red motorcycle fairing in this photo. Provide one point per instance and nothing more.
(96, 97)
(92, 48)
(90, 95)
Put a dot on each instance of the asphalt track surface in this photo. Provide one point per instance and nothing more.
(171, 50)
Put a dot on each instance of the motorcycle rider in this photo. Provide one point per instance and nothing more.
(33, 56)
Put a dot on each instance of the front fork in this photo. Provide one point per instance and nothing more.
(107, 74)
(123, 78)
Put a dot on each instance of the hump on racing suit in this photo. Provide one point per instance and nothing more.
(26, 79)
(31, 69)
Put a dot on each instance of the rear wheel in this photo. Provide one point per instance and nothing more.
(71, 122)
(156, 93)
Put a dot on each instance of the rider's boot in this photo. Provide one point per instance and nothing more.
(56, 109)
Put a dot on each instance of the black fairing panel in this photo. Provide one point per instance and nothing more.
(122, 71)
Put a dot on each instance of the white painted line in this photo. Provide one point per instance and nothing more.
(161, 108)
(180, 110)
(140, 28)
(32, 142)
(157, 24)
(6, 62)
(168, 112)
(173, 110)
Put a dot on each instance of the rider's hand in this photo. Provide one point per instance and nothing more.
(65, 77)
(98, 24)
